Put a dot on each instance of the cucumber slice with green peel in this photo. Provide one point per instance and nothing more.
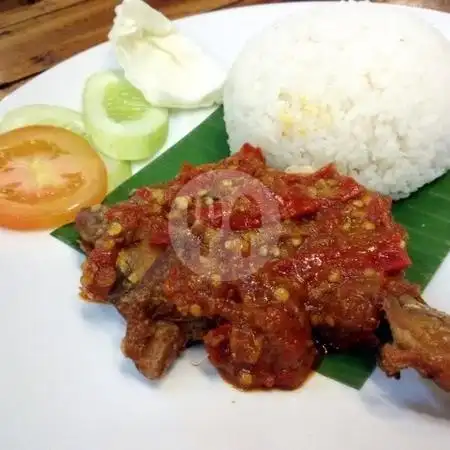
(58, 116)
(120, 122)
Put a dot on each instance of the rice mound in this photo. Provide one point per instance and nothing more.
(362, 85)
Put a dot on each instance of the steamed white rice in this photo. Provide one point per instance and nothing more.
(365, 86)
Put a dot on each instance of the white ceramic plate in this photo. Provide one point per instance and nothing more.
(64, 384)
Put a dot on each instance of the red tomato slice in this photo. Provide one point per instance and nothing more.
(47, 175)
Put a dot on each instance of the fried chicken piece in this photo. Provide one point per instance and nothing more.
(109, 251)
(421, 340)
(346, 314)
(134, 261)
(153, 347)
(121, 242)
(156, 332)
(91, 224)
(147, 299)
(136, 270)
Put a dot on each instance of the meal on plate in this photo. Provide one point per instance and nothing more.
(332, 278)
(286, 249)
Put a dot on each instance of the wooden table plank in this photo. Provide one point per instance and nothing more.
(16, 11)
(439, 5)
(176, 9)
(30, 48)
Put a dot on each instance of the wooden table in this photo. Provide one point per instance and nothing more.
(37, 34)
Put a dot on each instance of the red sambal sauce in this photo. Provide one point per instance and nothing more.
(266, 341)
(330, 228)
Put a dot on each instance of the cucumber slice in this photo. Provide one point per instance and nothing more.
(118, 171)
(121, 123)
(58, 116)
